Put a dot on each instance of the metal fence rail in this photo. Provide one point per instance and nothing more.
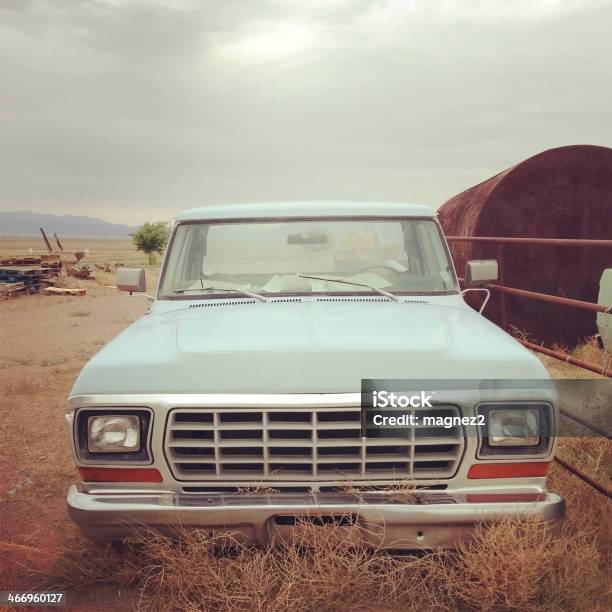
(598, 486)
(585, 365)
(582, 421)
(555, 299)
(558, 242)
(585, 477)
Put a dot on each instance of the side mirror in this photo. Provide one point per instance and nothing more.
(479, 271)
(131, 279)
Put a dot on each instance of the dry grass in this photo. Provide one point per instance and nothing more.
(509, 566)
(53, 361)
(23, 361)
(198, 571)
(23, 386)
(512, 565)
(592, 454)
(588, 351)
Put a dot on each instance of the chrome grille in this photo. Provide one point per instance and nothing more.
(302, 444)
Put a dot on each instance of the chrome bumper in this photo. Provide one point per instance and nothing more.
(399, 521)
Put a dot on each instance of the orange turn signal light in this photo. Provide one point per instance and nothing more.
(508, 470)
(91, 474)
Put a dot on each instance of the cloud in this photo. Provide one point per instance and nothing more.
(481, 10)
(131, 109)
(270, 42)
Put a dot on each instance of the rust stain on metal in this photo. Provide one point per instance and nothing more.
(563, 193)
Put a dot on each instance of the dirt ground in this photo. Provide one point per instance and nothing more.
(45, 340)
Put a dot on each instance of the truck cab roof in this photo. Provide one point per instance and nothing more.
(305, 210)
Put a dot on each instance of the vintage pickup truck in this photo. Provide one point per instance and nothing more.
(234, 403)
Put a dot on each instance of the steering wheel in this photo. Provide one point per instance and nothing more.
(383, 265)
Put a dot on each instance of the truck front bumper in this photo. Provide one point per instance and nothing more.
(406, 520)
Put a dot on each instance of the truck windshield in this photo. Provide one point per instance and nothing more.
(400, 256)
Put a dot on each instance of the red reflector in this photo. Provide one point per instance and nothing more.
(483, 498)
(90, 474)
(508, 470)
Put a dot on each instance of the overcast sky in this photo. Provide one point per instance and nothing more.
(131, 110)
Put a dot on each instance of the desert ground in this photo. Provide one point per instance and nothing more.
(44, 342)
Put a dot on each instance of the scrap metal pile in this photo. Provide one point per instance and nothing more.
(37, 274)
(28, 274)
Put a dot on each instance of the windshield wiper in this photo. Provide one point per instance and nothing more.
(348, 282)
(256, 296)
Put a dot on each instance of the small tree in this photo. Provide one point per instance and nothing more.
(151, 238)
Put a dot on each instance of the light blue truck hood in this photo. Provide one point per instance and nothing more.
(306, 347)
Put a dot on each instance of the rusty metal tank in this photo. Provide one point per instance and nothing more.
(560, 193)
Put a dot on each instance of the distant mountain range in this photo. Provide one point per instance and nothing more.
(24, 223)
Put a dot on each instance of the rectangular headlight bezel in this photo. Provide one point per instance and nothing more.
(546, 433)
(142, 455)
